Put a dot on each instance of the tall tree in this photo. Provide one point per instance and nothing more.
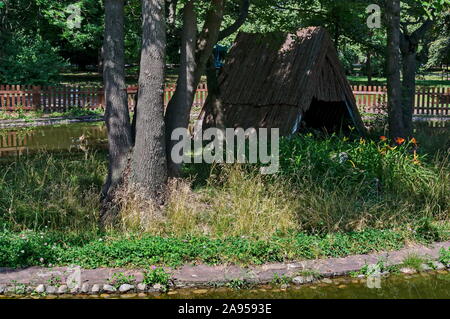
(214, 98)
(148, 169)
(178, 110)
(418, 19)
(396, 125)
(177, 114)
(409, 43)
(116, 115)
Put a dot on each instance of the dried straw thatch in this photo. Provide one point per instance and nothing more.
(285, 81)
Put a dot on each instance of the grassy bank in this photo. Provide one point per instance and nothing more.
(74, 112)
(332, 197)
(118, 250)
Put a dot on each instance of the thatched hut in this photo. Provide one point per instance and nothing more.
(285, 81)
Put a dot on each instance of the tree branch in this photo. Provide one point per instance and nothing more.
(243, 14)
(410, 41)
(422, 30)
(171, 11)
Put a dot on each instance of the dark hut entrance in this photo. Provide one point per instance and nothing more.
(330, 117)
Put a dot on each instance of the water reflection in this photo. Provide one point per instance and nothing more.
(424, 286)
(70, 137)
(435, 285)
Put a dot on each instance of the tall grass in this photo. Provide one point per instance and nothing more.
(47, 191)
(240, 204)
(324, 186)
(435, 140)
(349, 185)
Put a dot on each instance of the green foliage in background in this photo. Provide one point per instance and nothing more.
(29, 60)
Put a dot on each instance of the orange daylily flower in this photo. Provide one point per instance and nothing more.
(399, 140)
(414, 141)
(383, 138)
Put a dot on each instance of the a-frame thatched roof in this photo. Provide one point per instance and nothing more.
(272, 80)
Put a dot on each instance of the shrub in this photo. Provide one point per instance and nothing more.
(29, 60)
(156, 276)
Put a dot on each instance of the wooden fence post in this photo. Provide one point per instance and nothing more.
(101, 97)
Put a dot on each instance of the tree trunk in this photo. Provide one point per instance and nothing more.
(208, 37)
(214, 100)
(336, 36)
(409, 90)
(116, 115)
(369, 68)
(205, 43)
(133, 121)
(409, 44)
(396, 127)
(178, 110)
(148, 169)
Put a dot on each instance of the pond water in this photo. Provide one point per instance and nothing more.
(68, 137)
(435, 285)
(425, 285)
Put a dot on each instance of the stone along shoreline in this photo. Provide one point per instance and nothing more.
(41, 281)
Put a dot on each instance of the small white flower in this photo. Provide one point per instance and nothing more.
(41, 260)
